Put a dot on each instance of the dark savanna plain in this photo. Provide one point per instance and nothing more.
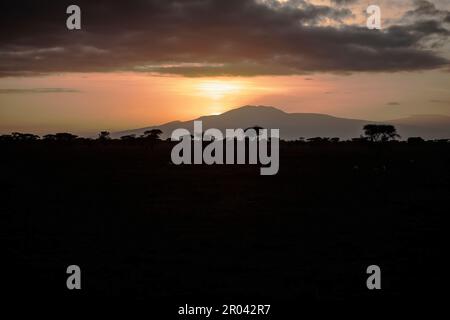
(141, 227)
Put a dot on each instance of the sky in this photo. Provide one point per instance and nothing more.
(148, 62)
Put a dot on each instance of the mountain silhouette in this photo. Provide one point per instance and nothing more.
(295, 125)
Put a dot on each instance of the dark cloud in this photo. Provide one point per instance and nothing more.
(430, 22)
(38, 90)
(205, 37)
(440, 101)
(425, 8)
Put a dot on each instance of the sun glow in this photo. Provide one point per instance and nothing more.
(217, 89)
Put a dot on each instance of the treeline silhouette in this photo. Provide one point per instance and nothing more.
(372, 133)
(65, 137)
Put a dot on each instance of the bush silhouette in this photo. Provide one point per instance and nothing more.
(61, 137)
(415, 140)
(128, 137)
(17, 136)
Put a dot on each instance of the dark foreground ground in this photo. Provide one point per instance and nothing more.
(142, 228)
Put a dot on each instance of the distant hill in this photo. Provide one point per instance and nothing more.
(295, 125)
(425, 126)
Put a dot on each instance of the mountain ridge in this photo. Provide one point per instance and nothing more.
(307, 125)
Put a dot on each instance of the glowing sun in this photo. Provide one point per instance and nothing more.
(217, 89)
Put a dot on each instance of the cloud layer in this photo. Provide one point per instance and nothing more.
(214, 37)
(37, 90)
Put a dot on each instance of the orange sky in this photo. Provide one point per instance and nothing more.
(119, 101)
(85, 103)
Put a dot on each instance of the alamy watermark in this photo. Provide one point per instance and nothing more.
(374, 280)
(374, 19)
(235, 147)
(74, 280)
(73, 22)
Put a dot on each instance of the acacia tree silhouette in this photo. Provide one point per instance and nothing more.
(104, 135)
(380, 132)
(257, 129)
(152, 136)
